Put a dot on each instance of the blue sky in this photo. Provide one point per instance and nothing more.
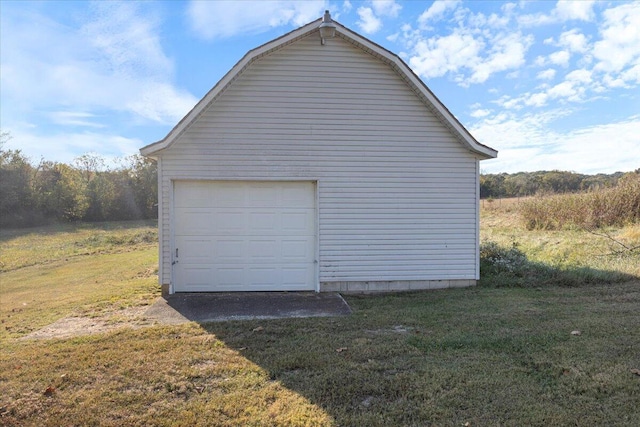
(550, 85)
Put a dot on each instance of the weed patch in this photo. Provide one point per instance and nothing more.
(503, 266)
(608, 207)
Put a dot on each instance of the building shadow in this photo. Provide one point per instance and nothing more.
(413, 358)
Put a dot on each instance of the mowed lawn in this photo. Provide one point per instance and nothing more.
(528, 355)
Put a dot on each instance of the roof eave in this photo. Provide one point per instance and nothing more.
(151, 149)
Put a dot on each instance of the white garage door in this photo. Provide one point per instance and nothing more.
(244, 236)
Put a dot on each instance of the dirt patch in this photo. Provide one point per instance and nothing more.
(132, 317)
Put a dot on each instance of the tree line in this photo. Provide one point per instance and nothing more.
(89, 190)
(85, 190)
(543, 182)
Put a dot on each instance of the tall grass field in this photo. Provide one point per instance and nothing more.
(550, 336)
(610, 207)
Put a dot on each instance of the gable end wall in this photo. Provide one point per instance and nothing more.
(397, 192)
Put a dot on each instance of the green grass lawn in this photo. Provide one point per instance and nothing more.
(484, 356)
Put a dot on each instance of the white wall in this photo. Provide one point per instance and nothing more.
(397, 192)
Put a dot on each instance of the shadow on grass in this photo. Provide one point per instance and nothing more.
(509, 267)
(457, 356)
(360, 369)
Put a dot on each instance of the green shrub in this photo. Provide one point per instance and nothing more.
(500, 259)
(509, 267)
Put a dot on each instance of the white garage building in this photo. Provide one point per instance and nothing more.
(319, 164)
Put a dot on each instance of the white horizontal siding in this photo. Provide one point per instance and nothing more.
(397, 192)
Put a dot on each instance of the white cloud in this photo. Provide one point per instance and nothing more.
(160, 102)
(507, 53)
(535, 20)
(114, 62)
(527, 143)
(565, 10)
(508, 8)
(463, 51)
(347, 6)
(480, 113)
(225, 18)
(620, 43)
(612, 82)
(565, 89)
(127, 39)
(560, 57)
(471, 48)
(536, 100)
(371, 17)
(510, 130)
(632, 74)
(573, 88)
(386, 8)
(580, 76)
(573, 40)
(74, 118)
(437, 56)
(547, 74)
(609, 63)
(575, 10)
(368, 22)
(436, 10)
(510, 103)
(64, 147)
(393, 37)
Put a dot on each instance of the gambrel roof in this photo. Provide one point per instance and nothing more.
(384, 55)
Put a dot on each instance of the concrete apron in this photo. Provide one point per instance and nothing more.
(218, 307)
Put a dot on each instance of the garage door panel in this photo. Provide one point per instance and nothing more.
(294, 276)
(229, 277)
(263, 195)
(195, 222)
(196, 278)
(261, 250)
(263, 222)
(229, 251)
(296, 251)
(264, 276)
(197, 195)
(225, 221)
(196, 250)
(246, 236)
(297, 221)
(227, 195)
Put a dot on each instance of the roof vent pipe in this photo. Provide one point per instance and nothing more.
(327, 28)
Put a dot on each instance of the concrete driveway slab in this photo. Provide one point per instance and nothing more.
(217, 307)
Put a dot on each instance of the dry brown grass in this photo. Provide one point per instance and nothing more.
(607, 207)
(475, 356)
(570, 255)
